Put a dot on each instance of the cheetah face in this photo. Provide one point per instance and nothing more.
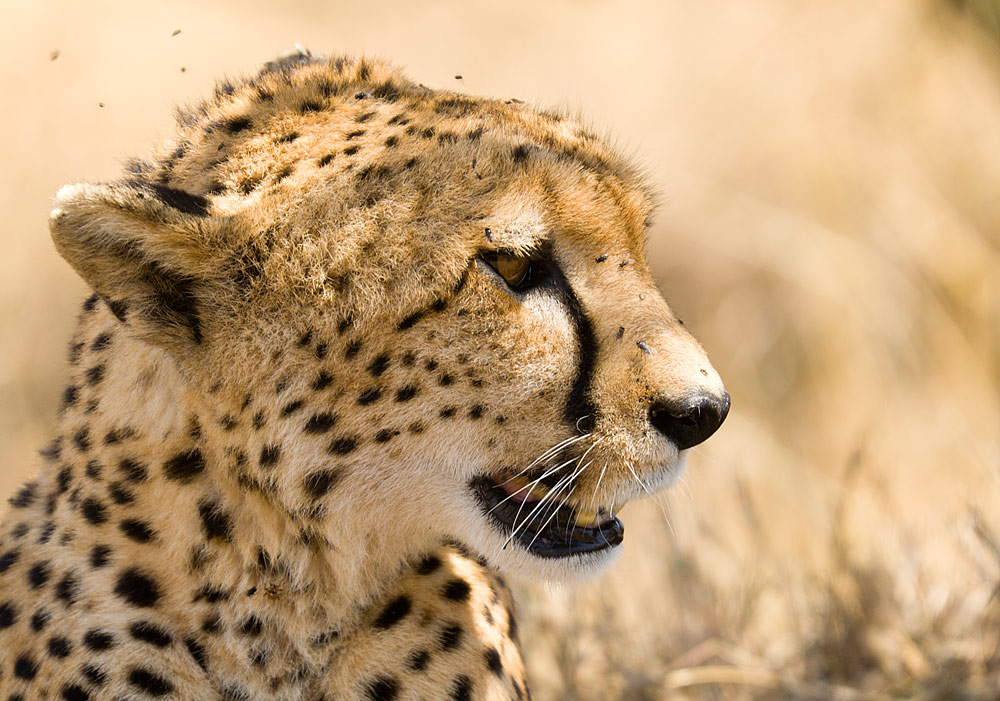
(435, 308)
(626, 422)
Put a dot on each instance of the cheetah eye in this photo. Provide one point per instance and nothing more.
(519, 272)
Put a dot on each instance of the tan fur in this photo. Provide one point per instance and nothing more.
(310, 364)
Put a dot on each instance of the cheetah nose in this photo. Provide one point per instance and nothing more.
(690, 421)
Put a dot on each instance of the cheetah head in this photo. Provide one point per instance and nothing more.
(430, 315)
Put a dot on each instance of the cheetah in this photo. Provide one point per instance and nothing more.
(357, 351)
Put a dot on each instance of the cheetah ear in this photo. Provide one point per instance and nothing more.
(145, 249)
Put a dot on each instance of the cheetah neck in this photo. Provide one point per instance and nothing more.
(144, 445)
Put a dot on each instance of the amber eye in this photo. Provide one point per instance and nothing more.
(515, 270)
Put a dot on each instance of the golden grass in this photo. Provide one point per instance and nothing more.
(831, 231)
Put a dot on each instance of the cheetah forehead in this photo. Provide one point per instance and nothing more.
(334, 166)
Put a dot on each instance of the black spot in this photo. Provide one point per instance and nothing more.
(70, 396)
(320, 423)
(369, 396)
(90, 304)
(45, 535)
(236, 124)
(98, 640)
(137, 588)
(353, 348)
(325, 160)
(25, 667)
(393, 612)
(269, 455)
(456, 590)
(354, 134)
(63, 479)
(520, 153)
(410, 163)
(95, 675)
(72, 692)
(8, 559)
(284, 173)
(461, 688)
(416, 427)
(392, 141)
(99, 555)
(117, 435)
(385, 435)
(39, 620)
(214, 521)
(251, 626)
(119, 494)
(133, 470)
(139, 531)
(493, 663)
(477, 412)
(450, 637)
(24, 497)
(343, 446)
(319, 484)
(68, 588)
(39, 574)
(418, 660)
(8, 615)
(211, 625)
(351, 150)
(185, 467)
(601, 258)
(82, 439)
(149, 682)
(95, 374)
(311, 106)
(197, 651)
(211, 594)
(447, 412)
(287, 137)
(410, 321)
(94, 469)
(429, 565)
(259, 419)
(382, 689)
(405, 394)
(151, 633)
(511, 624)
(475, 133)
(321, 349)
(292, 407)
(445, 380)
(249, 184)
(60, 647)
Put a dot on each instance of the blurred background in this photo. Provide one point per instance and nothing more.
(829, 229)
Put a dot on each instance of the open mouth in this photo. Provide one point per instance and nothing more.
(546, 528)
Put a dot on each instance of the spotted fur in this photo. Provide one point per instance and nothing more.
(293, 363)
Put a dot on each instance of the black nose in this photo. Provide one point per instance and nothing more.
(689, 422)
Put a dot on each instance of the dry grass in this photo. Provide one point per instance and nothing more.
(831, 232)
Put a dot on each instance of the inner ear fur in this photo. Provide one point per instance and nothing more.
(146, 249)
